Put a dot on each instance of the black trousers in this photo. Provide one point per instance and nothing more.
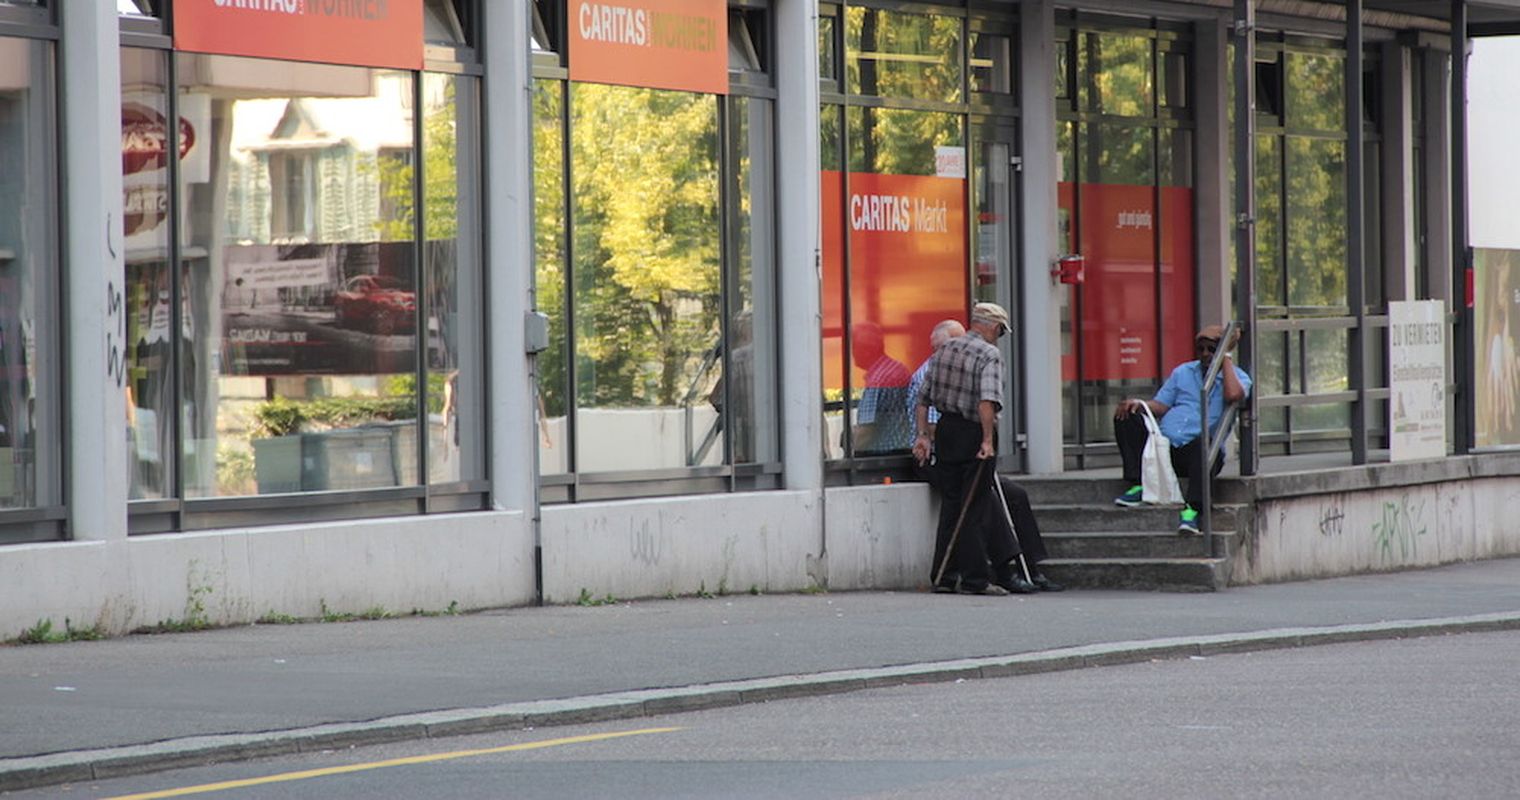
(984, 550)
(1025, 527)
(1187, 460)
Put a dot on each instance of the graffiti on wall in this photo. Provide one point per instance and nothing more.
(1332, 518)
(1400, 527)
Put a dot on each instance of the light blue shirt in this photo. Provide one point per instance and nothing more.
(1180, 395)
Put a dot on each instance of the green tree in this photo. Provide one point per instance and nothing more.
(646, 225)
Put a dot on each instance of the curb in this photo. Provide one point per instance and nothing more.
(113, 762)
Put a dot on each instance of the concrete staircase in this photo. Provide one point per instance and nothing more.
(1093, 543)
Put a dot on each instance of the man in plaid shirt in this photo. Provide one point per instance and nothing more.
(965, 383)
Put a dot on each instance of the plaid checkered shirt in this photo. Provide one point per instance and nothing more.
(964, 371)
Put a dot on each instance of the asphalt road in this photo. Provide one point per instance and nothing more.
(1420, 718)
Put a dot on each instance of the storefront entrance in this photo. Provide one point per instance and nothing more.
(1126, 205)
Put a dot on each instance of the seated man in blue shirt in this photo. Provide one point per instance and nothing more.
(1176, 407)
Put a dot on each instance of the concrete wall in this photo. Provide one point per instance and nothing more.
(881, 537)
(1379, 530)
(232, 576)
(876, 537)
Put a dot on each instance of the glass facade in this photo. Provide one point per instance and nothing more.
(899, 243)
(30, 362)
(294, 324)
(1302, 239)
(654, 247)
(1124, 132)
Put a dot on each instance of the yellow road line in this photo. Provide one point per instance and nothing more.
(394, 762)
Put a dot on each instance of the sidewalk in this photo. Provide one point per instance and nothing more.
(89, 709)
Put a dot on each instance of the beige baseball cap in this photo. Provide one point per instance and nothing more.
(990, 312)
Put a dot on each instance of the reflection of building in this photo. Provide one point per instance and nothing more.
(319, 284)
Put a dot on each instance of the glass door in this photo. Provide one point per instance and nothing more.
(995, 265)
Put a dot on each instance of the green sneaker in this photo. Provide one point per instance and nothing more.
(1187, 521)
(1134, 497)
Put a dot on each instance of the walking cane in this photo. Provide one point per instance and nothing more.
(955, 534)
(1008, 517)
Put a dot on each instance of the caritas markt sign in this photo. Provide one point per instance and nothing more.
(658, 44)
(367, 33)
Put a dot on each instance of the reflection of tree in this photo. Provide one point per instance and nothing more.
(899, 141)
(892, 54)
(549, 238)
(645, 196)
(1120, 74)
(440, 175)
(1316, 203)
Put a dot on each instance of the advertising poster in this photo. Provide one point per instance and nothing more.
(1120, 335)
(656, 44)
(318, 309)
(908, 264)
(1417, 379)
(1496, 310)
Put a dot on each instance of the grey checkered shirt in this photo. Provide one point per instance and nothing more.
(965, 371)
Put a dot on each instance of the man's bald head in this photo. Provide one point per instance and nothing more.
(945, 331)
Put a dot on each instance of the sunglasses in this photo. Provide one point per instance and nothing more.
(1207, 345)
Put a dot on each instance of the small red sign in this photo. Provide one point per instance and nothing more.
(369, 33)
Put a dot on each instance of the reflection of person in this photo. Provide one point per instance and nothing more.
(881, 418)
(1176, 406)
(965, 382)
(735, 390)
(1501, 377)
(1025, 529)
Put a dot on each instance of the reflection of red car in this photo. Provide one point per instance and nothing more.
(377, 303)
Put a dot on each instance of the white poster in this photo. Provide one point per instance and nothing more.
(1417, 379)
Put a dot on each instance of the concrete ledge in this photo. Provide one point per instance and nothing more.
(99, 764)
(1379, 476)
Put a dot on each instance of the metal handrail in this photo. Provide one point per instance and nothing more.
(1211, 445)
(694, 455)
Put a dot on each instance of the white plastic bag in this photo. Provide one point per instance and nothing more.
(1157, 478)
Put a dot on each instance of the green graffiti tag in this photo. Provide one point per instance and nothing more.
(1402, 525)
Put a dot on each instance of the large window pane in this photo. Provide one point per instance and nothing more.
(1119, 74)
(1270, 289)
(1316, 220)
(748, 396)
(145, 148)
(549, 215)
(906, 222)
(301, 282)
(1316, 86)
(893, 54)
(644, 167)
(451, 166)
(29, 440)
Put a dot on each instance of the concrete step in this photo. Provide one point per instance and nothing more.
(1161, 574)
(1058, 490)
(1134, 544)
(1109, 517)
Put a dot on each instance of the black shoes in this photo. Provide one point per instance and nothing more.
(1045, 584)
(1018, 585)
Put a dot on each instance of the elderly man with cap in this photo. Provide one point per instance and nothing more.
(1177, 409)
(965, 383)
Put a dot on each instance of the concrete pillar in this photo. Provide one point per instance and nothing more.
(94, 263)
(1040, 316)
(799, 261)
(1397, 175)
(1213, 200)
(507, 193)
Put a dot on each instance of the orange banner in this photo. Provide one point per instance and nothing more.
(368, 33)
(908, 269)
(656, 44)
